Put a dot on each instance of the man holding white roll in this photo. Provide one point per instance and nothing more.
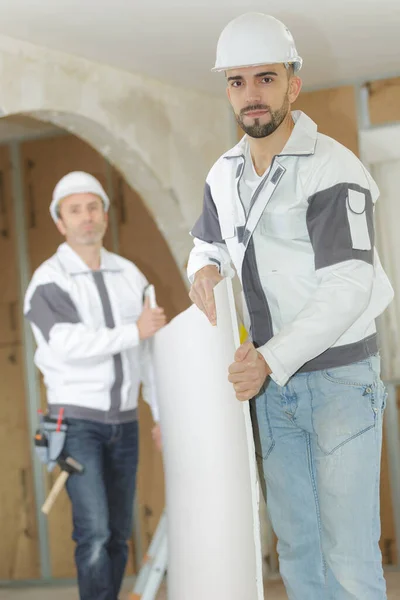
(92, 321)
(292, 209)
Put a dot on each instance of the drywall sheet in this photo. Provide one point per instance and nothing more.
(211, 487)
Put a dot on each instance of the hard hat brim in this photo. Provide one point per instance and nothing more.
(298, 63)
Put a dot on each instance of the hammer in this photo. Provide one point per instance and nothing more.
(69, 466)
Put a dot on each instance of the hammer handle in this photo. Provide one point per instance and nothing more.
(55, 490)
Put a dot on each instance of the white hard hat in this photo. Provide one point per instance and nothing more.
(77, 182)
(255, 39)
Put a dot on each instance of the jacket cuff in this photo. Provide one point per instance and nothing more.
(279, 374)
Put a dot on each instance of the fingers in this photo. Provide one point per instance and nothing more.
(246, 351)
(236, 369)
(242, 387)
(209, 301)
(161, 321)
(158, 321)
(197, 300)
(202, 296)
(245, 396)
(246, 390)
(249, 374)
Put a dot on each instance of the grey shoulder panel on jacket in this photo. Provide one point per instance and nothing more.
(207, 227)
(338, 229)
(49, 305)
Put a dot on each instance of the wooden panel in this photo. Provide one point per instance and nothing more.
(335, 112)
(9, 321)
(142, 243)
(18, 541)
(8, 265)
(150, 486)
(384, 101)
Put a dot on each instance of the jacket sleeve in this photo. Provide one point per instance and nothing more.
(341, 229)
(56, 320)
(209, 246)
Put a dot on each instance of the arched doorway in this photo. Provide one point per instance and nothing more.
(30, 167)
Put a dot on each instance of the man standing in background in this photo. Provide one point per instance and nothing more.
(92, 322)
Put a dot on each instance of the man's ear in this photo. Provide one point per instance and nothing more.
(60, 226)
(295, 85)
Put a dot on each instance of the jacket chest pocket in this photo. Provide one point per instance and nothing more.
(285, 226)
(286, 243)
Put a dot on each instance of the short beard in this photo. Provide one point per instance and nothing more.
(260, 131)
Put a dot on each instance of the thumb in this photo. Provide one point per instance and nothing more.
(242, 352)
(146, 303)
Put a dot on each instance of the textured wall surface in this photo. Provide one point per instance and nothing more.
(162, 138)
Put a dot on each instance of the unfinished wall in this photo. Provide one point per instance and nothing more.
(163, 139)
(335, 112)
(384, 101)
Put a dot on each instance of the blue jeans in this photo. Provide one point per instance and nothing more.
(102, 503)
(318, 443)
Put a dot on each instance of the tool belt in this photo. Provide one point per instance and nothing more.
(50, 438)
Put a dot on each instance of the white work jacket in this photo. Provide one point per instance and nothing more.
(311, 277)
(88, 346)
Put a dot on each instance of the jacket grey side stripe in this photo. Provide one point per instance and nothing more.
(49, 305)
(257, 305)
(340, 356)
(329, 228)
(73, 411)
(207, 227)
(116, 398)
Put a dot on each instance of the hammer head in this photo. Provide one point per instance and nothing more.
(69, 464)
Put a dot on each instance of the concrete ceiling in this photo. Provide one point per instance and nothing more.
(342, 41)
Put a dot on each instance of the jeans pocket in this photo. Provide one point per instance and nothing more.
(262, 431)
(343, 411)
(354, 375)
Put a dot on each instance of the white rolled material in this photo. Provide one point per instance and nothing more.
(211, 487)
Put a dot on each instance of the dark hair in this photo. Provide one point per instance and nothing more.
(290, 69)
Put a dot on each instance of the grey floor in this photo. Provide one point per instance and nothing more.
(273, 591)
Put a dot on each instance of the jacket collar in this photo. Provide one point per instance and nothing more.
(301, 142)
(74, 265)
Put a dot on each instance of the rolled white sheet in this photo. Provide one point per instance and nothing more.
(211, 486)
